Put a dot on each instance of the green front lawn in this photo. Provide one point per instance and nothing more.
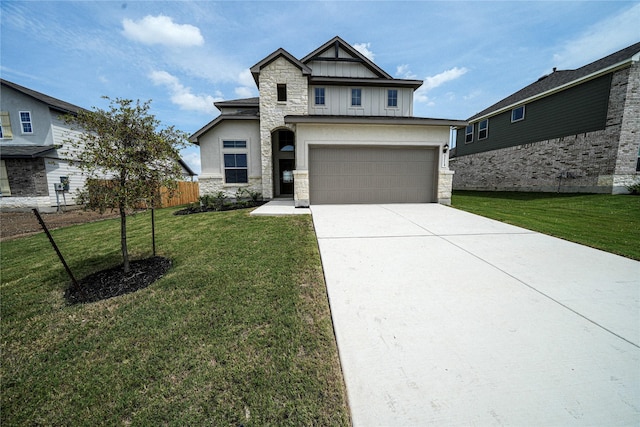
(238, 332)
(607, 222)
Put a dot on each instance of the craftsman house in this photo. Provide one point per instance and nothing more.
(331, 127)
(34, 172)
(570, 131)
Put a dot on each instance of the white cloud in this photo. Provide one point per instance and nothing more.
(432, 82)
(244, 92)
(601, 39)
(182, 96)
(404, 72)
(246, 78)
(363, 48)
(162, 30)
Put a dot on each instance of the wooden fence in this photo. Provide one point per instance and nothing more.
(187, 192)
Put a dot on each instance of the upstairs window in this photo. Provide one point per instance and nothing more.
(517, 114)
(234, 144)
(25, 120)
(392, 98)
(282, 92)
(356, 97)
(5, 126)
(483, 129)
(319, 96)
(468, 134)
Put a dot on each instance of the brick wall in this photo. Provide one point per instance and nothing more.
(595, 162)
(27, 177)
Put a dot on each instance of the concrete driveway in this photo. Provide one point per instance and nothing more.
(447, 318)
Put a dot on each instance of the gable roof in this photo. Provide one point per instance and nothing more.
(255, 70)
(335, 44)
(562, 79)
(50, 101)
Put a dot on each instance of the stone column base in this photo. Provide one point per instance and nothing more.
(301, 188)
(445, 183)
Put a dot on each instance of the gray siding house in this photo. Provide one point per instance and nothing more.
(34, 167)
(570, 131)
(331, 127)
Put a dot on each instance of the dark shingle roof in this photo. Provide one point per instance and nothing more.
(244, 102)
(52, 102)
(560, 78)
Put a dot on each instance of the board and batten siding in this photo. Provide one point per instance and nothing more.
(374, 102)
(576, 110)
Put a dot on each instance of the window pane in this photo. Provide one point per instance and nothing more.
(356, 96)
(282, 92)
(319, 95)
(483, 129)
(235, 160)
(235, 176)
(517, 114)
(392, 98)
(468, 137)
(234, 144)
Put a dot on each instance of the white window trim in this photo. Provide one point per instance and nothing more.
(523, 113)
(473, 126)
(22, 122)
(325, 97)
(224, 151)
(356, 107)
(393, 107)
(480, 138)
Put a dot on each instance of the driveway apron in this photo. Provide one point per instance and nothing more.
(443, 317)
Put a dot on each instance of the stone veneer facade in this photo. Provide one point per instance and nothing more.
(603, 161)
(272, 111)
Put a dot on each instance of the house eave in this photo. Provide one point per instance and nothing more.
(346, 81)
(372, 120)
(25, 151)
(215, 122)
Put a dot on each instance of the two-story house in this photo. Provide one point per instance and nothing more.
(332, 127)
(35, 171)
(570, 131)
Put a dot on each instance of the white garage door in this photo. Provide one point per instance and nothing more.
(348, 174)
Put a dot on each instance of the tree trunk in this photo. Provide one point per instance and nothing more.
(123, 239)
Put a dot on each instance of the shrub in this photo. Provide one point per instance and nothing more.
(634, 189)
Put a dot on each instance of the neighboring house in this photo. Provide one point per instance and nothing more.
(34, 169)
(570, 131)
(332, 127)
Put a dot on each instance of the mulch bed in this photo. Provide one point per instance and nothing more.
(227, 207)
(114, 282)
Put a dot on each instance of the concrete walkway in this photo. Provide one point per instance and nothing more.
(279, 207)
(447, 318)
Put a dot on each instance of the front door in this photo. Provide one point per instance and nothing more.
(286, 167)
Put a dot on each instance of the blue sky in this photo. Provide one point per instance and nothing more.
(185, 55)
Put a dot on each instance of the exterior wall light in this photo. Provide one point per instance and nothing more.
(445, 148)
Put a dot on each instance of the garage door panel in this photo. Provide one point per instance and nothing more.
(341, 174)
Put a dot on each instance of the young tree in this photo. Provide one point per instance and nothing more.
(125, 143)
